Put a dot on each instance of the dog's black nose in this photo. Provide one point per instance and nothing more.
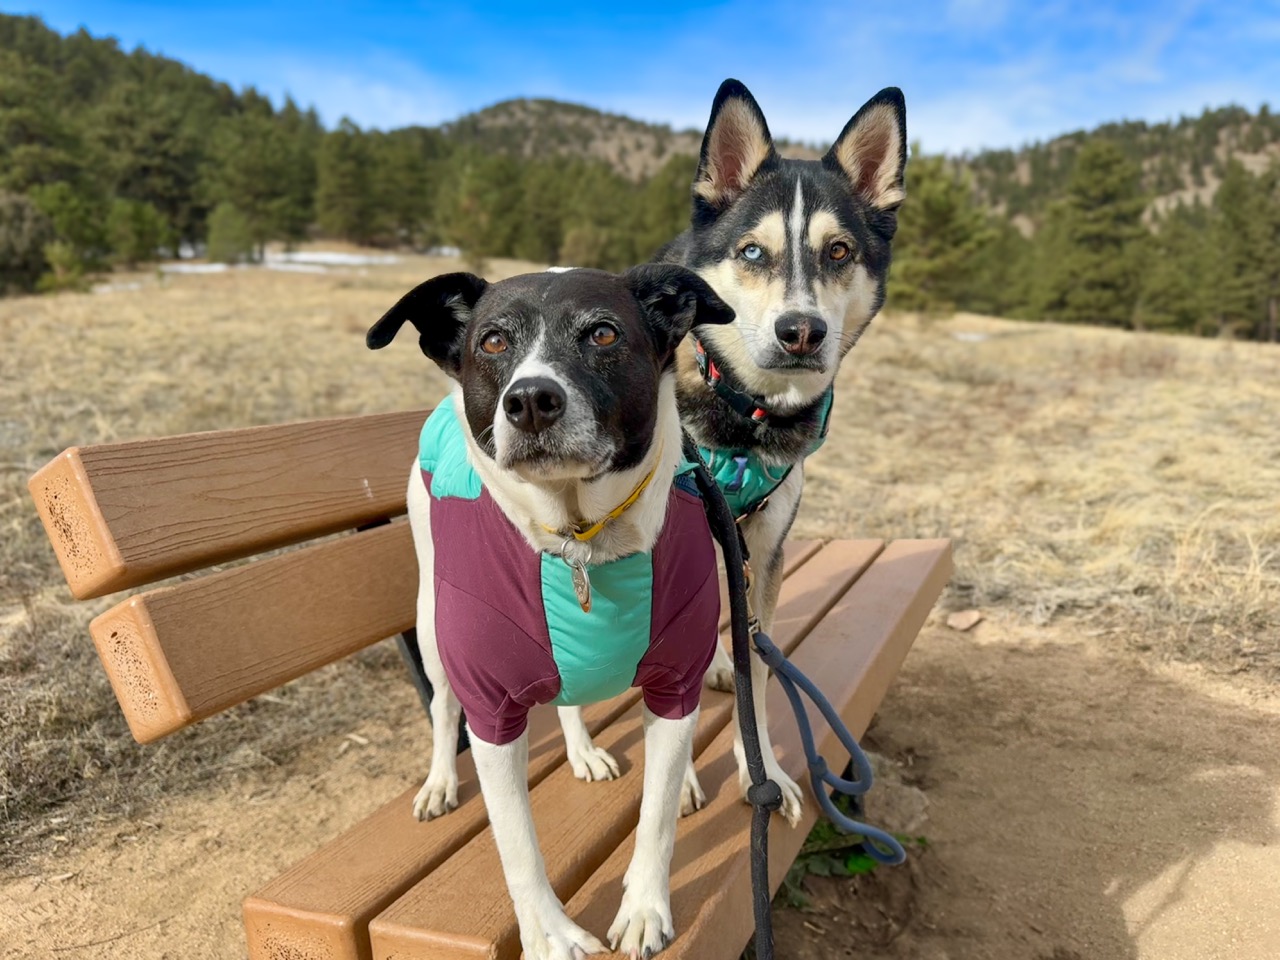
(800, 333)
(534, 403)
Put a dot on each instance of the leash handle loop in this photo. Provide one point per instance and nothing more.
(881, 846)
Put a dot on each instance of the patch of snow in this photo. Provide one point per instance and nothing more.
(333, 258)
(114, 287)
(193, 267)
(295, 267)
(965, 336)
(444, 252)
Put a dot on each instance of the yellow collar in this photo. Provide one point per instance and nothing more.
(579, 532)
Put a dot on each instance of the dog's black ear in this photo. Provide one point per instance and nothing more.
(674, 300)
(872, 150)
(736, 148)
(439, 309)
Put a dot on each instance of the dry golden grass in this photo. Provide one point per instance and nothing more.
(1127, 481)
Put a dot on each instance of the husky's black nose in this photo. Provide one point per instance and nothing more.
(534, 403)
(800, 333)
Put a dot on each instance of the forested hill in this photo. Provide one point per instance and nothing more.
(112, 157)
(1180, 161)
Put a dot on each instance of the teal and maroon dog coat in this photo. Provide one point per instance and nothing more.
(509, 627)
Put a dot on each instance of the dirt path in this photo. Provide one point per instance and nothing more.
(1083, 806)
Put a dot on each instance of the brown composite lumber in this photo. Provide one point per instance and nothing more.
(181, 653)
(321, 907)
(854, 655)
(462, 909)
(124, 514)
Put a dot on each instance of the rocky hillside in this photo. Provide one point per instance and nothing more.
(540, 129)
(1181, 161)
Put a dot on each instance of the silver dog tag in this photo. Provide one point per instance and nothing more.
(581, 583)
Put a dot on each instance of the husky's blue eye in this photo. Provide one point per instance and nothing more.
(752, 251)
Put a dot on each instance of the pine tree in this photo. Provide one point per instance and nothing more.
(998, 275)
(1238, 248)
(252, 170)
(152, 156)
(344, 194)
(1097, 279)
(25, 232)
(1176, 286)
(941, 229)
(664, 205)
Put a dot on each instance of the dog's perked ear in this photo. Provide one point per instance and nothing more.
(439, 309)
(674, 301)
(872, 150)
(736, 148)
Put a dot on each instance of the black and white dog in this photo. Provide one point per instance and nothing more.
(800, 250)
(562, 556)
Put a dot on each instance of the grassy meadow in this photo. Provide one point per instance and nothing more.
(1128, 484)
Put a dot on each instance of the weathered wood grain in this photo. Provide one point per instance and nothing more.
(178, 654)
(123, 514)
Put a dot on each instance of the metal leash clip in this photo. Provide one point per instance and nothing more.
(578, 572)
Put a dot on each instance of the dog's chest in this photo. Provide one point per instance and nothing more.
(508, 622)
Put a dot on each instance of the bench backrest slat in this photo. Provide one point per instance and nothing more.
(180, 653)
(124, 514)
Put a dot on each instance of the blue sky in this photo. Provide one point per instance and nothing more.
(976, 73)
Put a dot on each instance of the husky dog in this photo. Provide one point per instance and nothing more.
(800, 250)
(563, 555)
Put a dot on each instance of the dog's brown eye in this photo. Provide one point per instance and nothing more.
(604, 336)
(494, 343)
(839, 252)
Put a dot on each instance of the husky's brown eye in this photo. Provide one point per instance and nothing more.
(603, 335)
(494, 343)
(839, 252)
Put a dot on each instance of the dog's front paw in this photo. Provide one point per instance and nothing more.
(719, 675)
(550, 935)
(643, 925)
(438, 796)
(692, 799)
(591, 763)
(792, 798)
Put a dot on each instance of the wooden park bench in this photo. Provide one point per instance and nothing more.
(124, 515)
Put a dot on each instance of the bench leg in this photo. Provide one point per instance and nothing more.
(408, 644)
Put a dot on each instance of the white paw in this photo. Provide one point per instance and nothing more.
(593, 763)
(643, 925)
(792, 798)
(438, 796)
(550, 935)
(719, 675)
(692, 799)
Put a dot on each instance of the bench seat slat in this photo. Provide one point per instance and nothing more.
(178, 654)
(124, 514)
(462, 912)
(855, 653)
(321, 907)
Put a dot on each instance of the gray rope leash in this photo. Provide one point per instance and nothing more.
(879, 845)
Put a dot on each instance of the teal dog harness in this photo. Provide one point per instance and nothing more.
(744, 479)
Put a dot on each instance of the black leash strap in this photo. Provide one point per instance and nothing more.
(764, 795)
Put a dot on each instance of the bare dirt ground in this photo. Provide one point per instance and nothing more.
(1101, 755)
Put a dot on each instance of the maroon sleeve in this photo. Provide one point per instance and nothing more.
(495, 668)
(686, 611)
